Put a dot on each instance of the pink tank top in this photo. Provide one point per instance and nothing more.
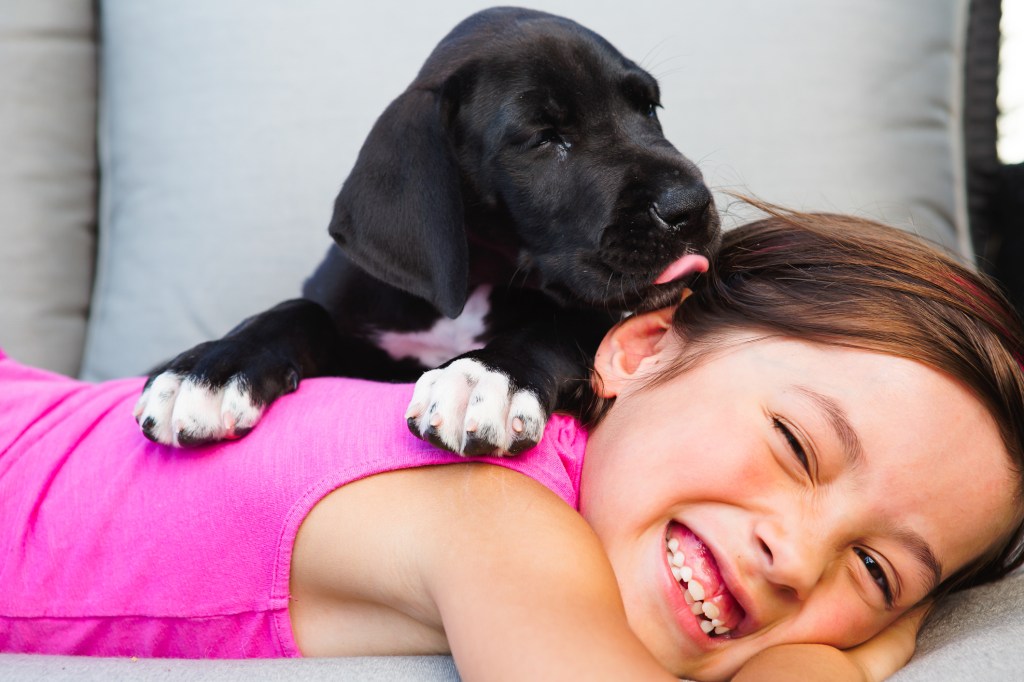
(111, 545)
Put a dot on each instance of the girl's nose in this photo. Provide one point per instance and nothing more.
(793, 560)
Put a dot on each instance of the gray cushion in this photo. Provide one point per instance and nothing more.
(47, 179)
(25, 667)
(228, 128)
(973, 635)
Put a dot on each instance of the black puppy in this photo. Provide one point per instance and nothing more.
(504, 211)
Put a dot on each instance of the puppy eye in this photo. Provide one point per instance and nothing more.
(549, 136)
(650, 110)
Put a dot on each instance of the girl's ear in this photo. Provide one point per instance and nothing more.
(635, 344)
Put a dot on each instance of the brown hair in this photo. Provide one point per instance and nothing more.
(852, 282)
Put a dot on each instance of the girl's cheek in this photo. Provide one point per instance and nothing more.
(743, 471)
(844, 622)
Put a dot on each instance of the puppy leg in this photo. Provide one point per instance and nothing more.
(219, 389)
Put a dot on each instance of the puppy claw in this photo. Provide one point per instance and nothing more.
(433, 436)
(414, 410)
(518, 447)
(474, 446)
(187, 440)
(148, 426)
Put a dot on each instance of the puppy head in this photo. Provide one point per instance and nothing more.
(539, 138)
(558, 134)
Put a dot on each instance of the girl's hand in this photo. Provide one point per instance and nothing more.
(872, 661)
(891, 649)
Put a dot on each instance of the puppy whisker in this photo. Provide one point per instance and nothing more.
(607, 288)
(650, 53)
(515, 273)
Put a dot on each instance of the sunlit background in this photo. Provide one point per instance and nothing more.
(1011, 83)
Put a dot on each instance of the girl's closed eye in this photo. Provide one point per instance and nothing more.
(799, 452)
(878, 576)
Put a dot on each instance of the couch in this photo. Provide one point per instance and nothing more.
(170, 167)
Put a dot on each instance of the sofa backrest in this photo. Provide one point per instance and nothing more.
(227, 128)
(48, 179)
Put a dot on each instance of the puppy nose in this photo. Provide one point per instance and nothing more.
(683, 207)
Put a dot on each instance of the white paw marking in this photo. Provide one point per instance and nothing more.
(446, 339)
(487, 408)
(179, 408)
(156, 403)
(237, 406)
(526, 408)
(465, 400)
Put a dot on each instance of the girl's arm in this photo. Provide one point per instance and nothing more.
(872, 661)
(524, 587)
(516, 579)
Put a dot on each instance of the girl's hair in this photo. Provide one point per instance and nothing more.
(852, 282)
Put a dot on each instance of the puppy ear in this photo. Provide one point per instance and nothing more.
(632, 348)
(399, 215)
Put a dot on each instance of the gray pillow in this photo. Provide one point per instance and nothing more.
(973, 635)
(47, 180)
(228, 127)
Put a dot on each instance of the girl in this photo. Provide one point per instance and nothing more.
(772, 478)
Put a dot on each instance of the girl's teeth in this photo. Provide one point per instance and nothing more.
(708, 614)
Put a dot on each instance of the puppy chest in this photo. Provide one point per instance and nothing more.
(445, 339)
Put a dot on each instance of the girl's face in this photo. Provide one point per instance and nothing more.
(815, 493)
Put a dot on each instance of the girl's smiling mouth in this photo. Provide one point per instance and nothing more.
(714, 609)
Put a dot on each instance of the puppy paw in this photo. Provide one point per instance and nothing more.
(179, 410)
(215, 391)
(474, 410)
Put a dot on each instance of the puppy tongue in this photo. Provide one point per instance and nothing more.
(688, 264)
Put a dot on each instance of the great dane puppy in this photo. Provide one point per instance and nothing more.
(504, 211)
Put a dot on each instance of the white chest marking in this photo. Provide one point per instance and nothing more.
(446, 339)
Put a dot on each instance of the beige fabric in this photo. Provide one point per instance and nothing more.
(47, 179)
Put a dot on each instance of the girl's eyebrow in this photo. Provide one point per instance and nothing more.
(853, 453)
(922, 553)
